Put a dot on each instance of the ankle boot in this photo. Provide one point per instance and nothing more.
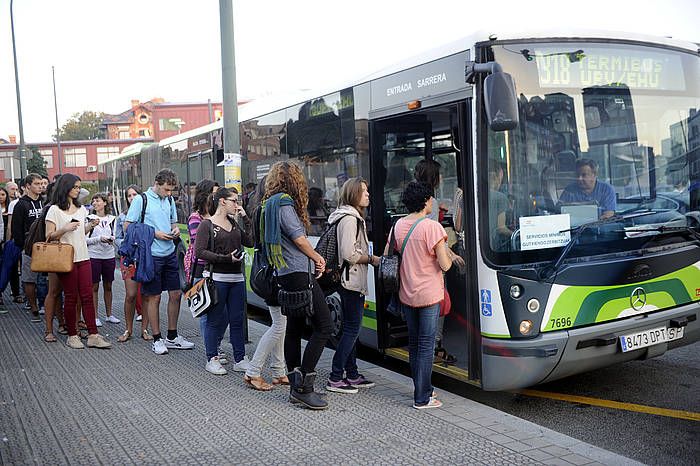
(302, 390)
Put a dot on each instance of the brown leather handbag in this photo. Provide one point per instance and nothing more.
(52, 257)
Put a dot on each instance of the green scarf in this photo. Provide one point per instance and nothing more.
(270, 232)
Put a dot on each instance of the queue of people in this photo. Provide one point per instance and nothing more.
(220, 228)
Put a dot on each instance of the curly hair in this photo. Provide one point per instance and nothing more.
(286, 177)
(415, 196)
(105, 198)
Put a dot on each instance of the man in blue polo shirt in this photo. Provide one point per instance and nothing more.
(588, 188)
(161, 215)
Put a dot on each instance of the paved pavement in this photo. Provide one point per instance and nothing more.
(128, 406)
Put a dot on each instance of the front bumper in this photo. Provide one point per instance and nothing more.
(511, 364)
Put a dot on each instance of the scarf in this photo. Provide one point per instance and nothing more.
(270, 232)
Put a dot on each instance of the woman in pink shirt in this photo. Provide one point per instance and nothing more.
(423, 262)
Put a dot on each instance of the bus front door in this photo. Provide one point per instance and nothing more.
(398, 144)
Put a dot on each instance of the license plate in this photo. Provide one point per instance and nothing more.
(650, 337)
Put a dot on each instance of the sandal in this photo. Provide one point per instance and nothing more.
(50, 338)
(126, 336)
(257, 383)
(145, 335)
(442, 356)
(284, 380)
(82, 325)
(62, 330)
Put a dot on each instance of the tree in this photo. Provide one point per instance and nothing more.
(81, 126)
(36, 163)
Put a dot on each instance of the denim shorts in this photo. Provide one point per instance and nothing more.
(166, 276)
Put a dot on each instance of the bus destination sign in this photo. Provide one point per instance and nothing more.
(609, 68)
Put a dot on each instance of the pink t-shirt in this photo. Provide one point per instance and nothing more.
(422, 282)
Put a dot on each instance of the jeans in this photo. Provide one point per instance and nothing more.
(422, 324)
(271, 344)
(42, 288)
(229, 311)
(320, 324)
(345, 358)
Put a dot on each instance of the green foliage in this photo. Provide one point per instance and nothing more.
(82, 126)
(36, 163)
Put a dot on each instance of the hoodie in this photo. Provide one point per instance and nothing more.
(351, 247)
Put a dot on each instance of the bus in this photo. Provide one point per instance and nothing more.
(554, 284)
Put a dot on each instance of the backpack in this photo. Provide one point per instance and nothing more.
(327, 247)
(177, 239)
(263, 279)
(35, 233)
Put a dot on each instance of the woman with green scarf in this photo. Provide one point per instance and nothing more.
(284, 223)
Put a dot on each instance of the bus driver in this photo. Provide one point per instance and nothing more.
(588, 188)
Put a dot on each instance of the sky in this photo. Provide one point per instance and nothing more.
(107, 53)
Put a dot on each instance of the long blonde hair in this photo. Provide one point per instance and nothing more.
(286, 177)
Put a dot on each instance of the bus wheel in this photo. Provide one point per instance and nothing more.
(336, 311)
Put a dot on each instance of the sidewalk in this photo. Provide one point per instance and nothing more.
(128, 406)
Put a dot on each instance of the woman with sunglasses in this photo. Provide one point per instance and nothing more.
(220, 241)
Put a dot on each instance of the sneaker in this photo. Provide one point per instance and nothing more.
(113, 320)
(98, 341)
(3, 309)
(74, 342)
(433, 403)
(36, 318)
(27, 306)
(214, 366)
(360, 382)
(223, 357)
(139, 318)
(178, 343)
(340, 386)
(42, 310)
(98, 322)
(159, 347)
(242, 365)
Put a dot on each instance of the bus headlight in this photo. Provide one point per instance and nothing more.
(516, 291)
(533, 305)
(526, 327)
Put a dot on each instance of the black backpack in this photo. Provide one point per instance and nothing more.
(327, 247)
(263, 279)
(37, 231)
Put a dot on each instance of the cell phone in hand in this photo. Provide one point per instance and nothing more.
(238, 253)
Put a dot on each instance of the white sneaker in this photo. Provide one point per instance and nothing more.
(74, 342)
(159, 347)
(42, 310)
(215, 367)
(113, 320)
(178, 343)
(242, 365)
(98, 322)
(139, 318)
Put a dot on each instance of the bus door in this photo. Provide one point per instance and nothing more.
(398, 144)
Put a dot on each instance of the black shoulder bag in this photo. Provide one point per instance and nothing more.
(299, 303)
(263, 279)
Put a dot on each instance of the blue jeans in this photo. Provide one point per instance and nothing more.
(422, 324)
(229, 311)
(345, 358)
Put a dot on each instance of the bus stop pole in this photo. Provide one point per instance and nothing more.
(230, 99)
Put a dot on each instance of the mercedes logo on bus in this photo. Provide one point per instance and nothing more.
(638, 298)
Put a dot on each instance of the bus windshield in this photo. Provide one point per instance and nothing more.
(607, 131)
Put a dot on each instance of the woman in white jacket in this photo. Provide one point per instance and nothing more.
(353, 249)
(100, 242)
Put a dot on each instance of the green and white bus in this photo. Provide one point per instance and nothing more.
(551, 288)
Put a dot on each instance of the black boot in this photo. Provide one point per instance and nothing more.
(302, 390)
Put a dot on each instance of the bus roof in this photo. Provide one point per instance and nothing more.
(269, 104)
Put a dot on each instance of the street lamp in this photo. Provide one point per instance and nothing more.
(22, 162)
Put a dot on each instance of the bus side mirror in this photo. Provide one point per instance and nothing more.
(501, 101)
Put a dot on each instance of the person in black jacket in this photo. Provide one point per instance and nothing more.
(27, 210)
